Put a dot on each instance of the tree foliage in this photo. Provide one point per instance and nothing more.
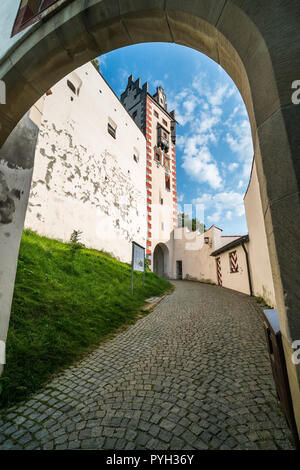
(193, 224)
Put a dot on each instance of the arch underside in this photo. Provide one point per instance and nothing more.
(161, 260)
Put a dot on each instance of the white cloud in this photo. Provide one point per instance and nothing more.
(232, 167)
(225, 204)
(215, 217)
(199, 109)
(240, 142)
(157, 83)
(216, 97)
(200, 166)
(189, 106)
(231, 200)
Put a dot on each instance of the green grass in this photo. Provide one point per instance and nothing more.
(261, 301)
(62, 309)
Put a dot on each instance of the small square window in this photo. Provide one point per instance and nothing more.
(168, 183)
(161, 201)
(71, 86)
(167, 162)
(165, 123)
(136, 155)
(112, 129)
(155, 114)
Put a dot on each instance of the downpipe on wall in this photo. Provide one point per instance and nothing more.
(248, 270)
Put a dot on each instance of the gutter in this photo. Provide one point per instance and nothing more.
(248, 269)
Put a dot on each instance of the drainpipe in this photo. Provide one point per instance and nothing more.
(248, 269)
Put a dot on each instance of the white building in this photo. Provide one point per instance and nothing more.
(90, 167)
(240, 263)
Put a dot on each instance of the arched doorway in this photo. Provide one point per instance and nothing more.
(161, 260)
(259, 49)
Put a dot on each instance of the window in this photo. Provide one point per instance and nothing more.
(157, 157)
(155, 114)
(162, 139)
(167, 181)
(166, 162)
(234, 267)
(74, 82)
(134, 115)
(135, 155)
(71, 86)
(161, 201)
(165, 123)
(112, 128)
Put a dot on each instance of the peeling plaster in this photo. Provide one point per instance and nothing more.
(93, 179)
(7, 204)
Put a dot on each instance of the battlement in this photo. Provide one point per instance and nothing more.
(134, 87)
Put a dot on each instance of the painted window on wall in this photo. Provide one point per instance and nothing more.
(219, 271)
(233, 260)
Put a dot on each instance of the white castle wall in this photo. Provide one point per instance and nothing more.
(191, 249)
(83, 178)
(262, 278)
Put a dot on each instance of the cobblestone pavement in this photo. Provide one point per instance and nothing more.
(193, 374)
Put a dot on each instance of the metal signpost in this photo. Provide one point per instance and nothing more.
(137, 261)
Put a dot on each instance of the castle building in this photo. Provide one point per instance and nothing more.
(109, 170)
(150, 112)
(90, 167)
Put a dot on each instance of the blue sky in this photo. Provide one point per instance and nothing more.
(214, 146)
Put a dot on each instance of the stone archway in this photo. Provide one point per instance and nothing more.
(161, 260)
(257, 46)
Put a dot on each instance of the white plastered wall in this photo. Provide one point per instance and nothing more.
(83, 178)
(260, 266)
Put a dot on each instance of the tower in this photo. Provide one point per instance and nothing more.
(150, 112)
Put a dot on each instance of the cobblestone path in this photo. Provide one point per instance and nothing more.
(193, 374)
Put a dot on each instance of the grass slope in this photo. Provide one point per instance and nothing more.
(63, 308)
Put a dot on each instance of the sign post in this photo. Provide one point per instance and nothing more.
(137, 261)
